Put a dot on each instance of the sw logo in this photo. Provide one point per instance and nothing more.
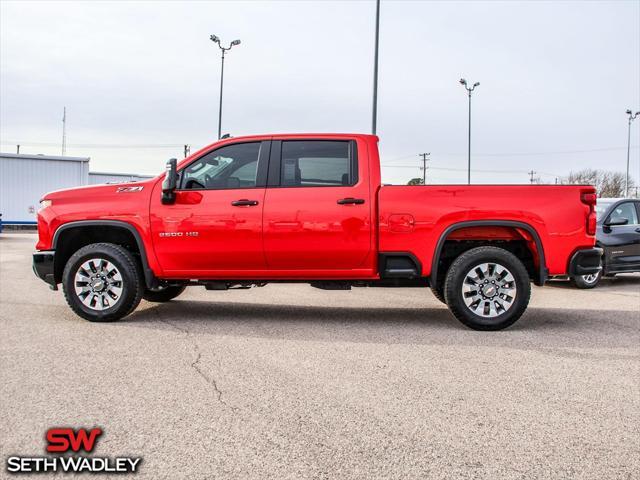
(65, 440)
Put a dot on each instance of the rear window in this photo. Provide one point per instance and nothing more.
(317, 163)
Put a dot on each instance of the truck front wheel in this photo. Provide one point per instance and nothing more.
(487, 288)
(102, 282)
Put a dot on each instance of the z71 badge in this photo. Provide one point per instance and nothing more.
(129, 189)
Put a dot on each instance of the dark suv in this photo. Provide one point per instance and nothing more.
(618, 233)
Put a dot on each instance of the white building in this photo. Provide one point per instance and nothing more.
(25, 178)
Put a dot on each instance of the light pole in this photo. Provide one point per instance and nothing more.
(632, 117)
(224, 50)
(374, 112)
(463, 82)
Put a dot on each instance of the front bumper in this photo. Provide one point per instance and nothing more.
(586, 262)
(43, 263)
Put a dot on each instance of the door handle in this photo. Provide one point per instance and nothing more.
(244, 203)
(351, 201)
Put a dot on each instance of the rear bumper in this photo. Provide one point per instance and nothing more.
(585, 262)
(43, 267)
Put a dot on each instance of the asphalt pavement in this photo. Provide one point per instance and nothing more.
(291, 382)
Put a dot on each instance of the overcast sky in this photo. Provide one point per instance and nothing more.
(556, 79)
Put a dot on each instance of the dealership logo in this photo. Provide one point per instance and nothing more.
(68, 443)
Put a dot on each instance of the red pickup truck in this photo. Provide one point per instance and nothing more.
(247, 211)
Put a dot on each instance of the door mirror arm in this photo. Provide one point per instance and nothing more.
(170, 182)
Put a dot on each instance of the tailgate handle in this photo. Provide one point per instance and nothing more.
(244, 203)
(351, 201)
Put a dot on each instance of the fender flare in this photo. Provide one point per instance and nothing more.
(543, 272)
(149, 277)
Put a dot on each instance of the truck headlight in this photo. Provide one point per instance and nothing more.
(45, 203)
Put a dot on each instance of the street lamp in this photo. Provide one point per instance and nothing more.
(217, 40)
(632, 117)
(463, 82)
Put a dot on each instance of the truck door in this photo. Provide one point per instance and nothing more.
(318, 207)
(215, 225)
(622, 242)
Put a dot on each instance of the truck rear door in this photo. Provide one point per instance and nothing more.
(318, 210)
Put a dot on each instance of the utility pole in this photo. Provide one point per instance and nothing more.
(531, 173)
(632, 117)
(64, 131)
(187, 150)
(18, 149)
(463, 82)
(424, 166)
(217, 40)
(374, 114)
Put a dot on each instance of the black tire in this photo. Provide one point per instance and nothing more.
(586, 281)
(163, 294)
(438, 292)
(460, 270)
(131, 283)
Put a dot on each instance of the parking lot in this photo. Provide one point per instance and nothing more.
(287, 381)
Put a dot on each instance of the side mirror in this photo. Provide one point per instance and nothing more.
(613, 221)
(170, 182)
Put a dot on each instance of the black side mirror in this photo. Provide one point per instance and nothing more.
(613, 221)
(170, 182)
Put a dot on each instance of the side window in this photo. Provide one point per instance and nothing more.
(233, 166)
(318, 163)
(626, 210)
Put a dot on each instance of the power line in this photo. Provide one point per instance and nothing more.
(518, 154)
(93, 145)
(446, 169)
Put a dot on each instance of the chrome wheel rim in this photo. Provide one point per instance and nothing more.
(98, 284)
(489, 289)
(591, 278)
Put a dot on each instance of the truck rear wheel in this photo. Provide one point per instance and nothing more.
(102, 282)
(487, 288)
(163, 294)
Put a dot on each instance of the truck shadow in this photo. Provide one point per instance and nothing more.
(546, 328)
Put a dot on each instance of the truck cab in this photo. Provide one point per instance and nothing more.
(247, 211)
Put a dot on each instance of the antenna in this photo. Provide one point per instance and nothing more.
(64, 131)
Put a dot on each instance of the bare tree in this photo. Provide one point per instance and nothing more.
(608, 184)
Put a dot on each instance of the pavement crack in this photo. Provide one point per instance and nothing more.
(195, 364)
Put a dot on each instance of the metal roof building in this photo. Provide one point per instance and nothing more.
(103, 177)
(25, 178)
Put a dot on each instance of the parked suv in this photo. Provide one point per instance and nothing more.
(618, 234)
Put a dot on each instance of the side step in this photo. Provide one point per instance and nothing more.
(398, 265)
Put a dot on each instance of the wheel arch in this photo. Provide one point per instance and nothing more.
(118, 231)
(541, 272)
